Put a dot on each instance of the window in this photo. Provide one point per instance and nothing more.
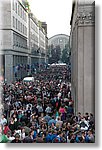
(25, 16)
(16, 23)
(23, 28)
(16, 7)
(18, 10)
(13, 5)
(21, 12)
(31, 24)
(19, 26)
(14, 39)
(13, 21)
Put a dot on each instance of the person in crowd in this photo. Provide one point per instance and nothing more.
(6, 129)
(17, 139)
(3, 120)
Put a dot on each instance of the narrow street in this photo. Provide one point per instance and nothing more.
(42, 111)
(47, 71)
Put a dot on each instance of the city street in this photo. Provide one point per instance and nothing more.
(47, 71)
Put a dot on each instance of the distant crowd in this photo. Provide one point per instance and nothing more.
(43, 111)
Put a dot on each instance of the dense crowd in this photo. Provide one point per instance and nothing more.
(43, 111)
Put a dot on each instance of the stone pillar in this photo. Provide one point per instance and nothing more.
(89, 65)
(9, 68)
(29, 62)
(80, 70)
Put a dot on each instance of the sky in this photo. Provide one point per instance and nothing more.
(56, 13)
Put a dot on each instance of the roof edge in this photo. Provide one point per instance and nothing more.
(58, 35)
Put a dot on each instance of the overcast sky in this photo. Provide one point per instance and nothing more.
(56, 13)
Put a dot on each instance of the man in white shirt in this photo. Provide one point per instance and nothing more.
(48, 109)
(3, 120)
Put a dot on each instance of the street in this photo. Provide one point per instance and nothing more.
(42, 111)
(47, 71)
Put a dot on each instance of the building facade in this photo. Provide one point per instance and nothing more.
(42, 43)
(21, 37)
(44, 26)
(14, 41)
(38, 44)
(82, 43)
(33, 39)
(59, 40)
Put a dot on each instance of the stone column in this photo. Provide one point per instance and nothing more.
(9, 68)
(89, 65)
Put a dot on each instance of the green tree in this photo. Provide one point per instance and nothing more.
(26, 4)
(57, 53)
(65, 54)
(54, 53)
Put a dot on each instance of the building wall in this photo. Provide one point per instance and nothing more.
(33, 39)
(82, 56)
(19, 18)
(89, 92)
(42, 39)
(44, 26)
(60, 39)
(33, 34)
(14, 41)
(19, 38)
(42, 45)
(37, 42)
(5, 7)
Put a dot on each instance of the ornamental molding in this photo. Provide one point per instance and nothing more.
(85, 18)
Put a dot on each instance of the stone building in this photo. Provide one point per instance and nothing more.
(44, 26)
(59, 39)
(20, 39)
(82, 43)
(42, 44)
(14, 41)
(37, 40)
(33, 37)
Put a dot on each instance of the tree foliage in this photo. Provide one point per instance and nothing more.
(65, 54)
(54, 54)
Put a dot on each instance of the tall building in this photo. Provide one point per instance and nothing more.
(33, 39)
(82, 43)
(44, 26)
(22, 40)
(14, 41)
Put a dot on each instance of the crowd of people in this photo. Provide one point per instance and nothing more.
(43, 111)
